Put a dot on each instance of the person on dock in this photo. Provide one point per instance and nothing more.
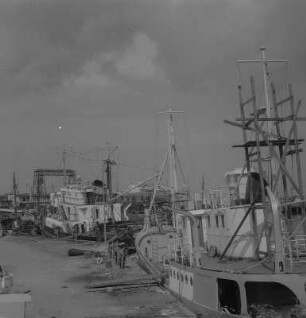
(83, 228)
(76, 231)
(122, 257)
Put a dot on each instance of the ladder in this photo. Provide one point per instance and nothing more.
(62, 213)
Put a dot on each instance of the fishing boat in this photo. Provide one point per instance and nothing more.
(244, 252)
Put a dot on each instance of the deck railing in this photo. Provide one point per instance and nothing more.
(294, 249)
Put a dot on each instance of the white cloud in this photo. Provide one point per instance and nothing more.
(92, 75)
(139, 60)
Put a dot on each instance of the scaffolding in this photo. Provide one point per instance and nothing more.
(267, 142)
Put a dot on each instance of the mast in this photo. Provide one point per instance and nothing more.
(264, 63)
(171, 152)
(64, 164)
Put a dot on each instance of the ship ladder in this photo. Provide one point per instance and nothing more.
(63, 213)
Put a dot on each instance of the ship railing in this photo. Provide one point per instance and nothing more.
(180, 251)
(215, 198)
(294, 248)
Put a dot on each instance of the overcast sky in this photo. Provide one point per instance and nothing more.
(103, 69)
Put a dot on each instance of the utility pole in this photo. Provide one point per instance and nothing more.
(109, 182)
(109, 163)
(15, 193)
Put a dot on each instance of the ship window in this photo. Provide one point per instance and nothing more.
(268, 294)
(208, 220)
(229, 296)
(222, 221)
(217, 221)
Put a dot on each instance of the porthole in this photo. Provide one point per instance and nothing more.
(191, 281)
(148, 241)
(170, 236)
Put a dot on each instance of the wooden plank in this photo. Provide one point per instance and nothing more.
(232, 123)
(285, 100)
(280, 147)
(236, 231)
(246, 102)
(281, 119)
(292, 152)
(263, 143)
(125, 286)
(284, 151)
(295, 135)
(126, 281)
(274, 154)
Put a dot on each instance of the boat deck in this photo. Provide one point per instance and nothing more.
(263, 266)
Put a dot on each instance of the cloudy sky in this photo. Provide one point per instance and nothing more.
(103, 69)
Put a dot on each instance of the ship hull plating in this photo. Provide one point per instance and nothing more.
(222, 294)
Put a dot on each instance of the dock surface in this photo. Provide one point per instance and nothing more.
(57, 283)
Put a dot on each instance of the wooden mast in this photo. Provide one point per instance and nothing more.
(171, 151)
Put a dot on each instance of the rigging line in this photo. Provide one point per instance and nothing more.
(98, 162)
(118, 171)
(136, 167)
(180, 167)
(191, 163)
(156, 140)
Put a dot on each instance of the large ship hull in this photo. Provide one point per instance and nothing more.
(221, 288)
(222, 294)
(215, 293)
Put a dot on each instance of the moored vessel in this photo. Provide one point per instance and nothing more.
(243, 252)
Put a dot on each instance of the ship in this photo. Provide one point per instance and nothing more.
(84, 209)
(242, 253)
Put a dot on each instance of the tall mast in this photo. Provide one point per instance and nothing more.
(171, 151)
(64, 164)
(264, 62)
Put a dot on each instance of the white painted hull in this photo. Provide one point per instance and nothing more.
(198, 288)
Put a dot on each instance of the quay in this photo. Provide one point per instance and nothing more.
(56, 282)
